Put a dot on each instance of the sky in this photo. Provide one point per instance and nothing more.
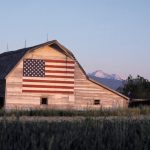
(108, 35)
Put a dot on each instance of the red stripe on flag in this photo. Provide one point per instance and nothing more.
(55, 71)
(48, 81)
(58, 92)
(47, 86)
(55, 66)
(53, 76)
(60, 61)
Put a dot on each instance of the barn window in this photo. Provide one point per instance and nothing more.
(96, 102)
(44, 101)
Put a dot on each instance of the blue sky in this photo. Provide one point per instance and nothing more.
(112, 35)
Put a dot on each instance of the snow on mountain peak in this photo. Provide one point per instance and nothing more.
(101, 74)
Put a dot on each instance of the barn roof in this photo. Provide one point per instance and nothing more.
(8, 61)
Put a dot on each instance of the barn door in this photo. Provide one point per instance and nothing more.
(1, 102)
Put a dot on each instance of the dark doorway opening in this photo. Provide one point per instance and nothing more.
(1, 102)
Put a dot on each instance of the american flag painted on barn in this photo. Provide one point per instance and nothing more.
(48, 76)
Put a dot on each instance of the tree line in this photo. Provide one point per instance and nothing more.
(136, 88)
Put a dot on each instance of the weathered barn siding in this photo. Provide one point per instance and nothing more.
(14, 95)
(85, 91)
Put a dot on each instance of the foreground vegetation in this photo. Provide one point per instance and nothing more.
(127, 131)
(88, 134)
(86, 113)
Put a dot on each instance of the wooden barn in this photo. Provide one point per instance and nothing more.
(49, 76)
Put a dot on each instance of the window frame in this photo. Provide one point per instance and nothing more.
(44, 101)
(97, 101)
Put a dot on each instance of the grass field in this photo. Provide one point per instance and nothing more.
(88, 134)
(122, 129)
(86, 113)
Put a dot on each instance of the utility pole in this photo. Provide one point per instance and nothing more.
(47, 37)
(25, 43)
(7, 48)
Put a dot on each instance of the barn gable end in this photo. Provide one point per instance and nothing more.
(72, 90)
(87, 91)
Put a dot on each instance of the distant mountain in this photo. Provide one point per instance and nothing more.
(101, 74)
(113, 81)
